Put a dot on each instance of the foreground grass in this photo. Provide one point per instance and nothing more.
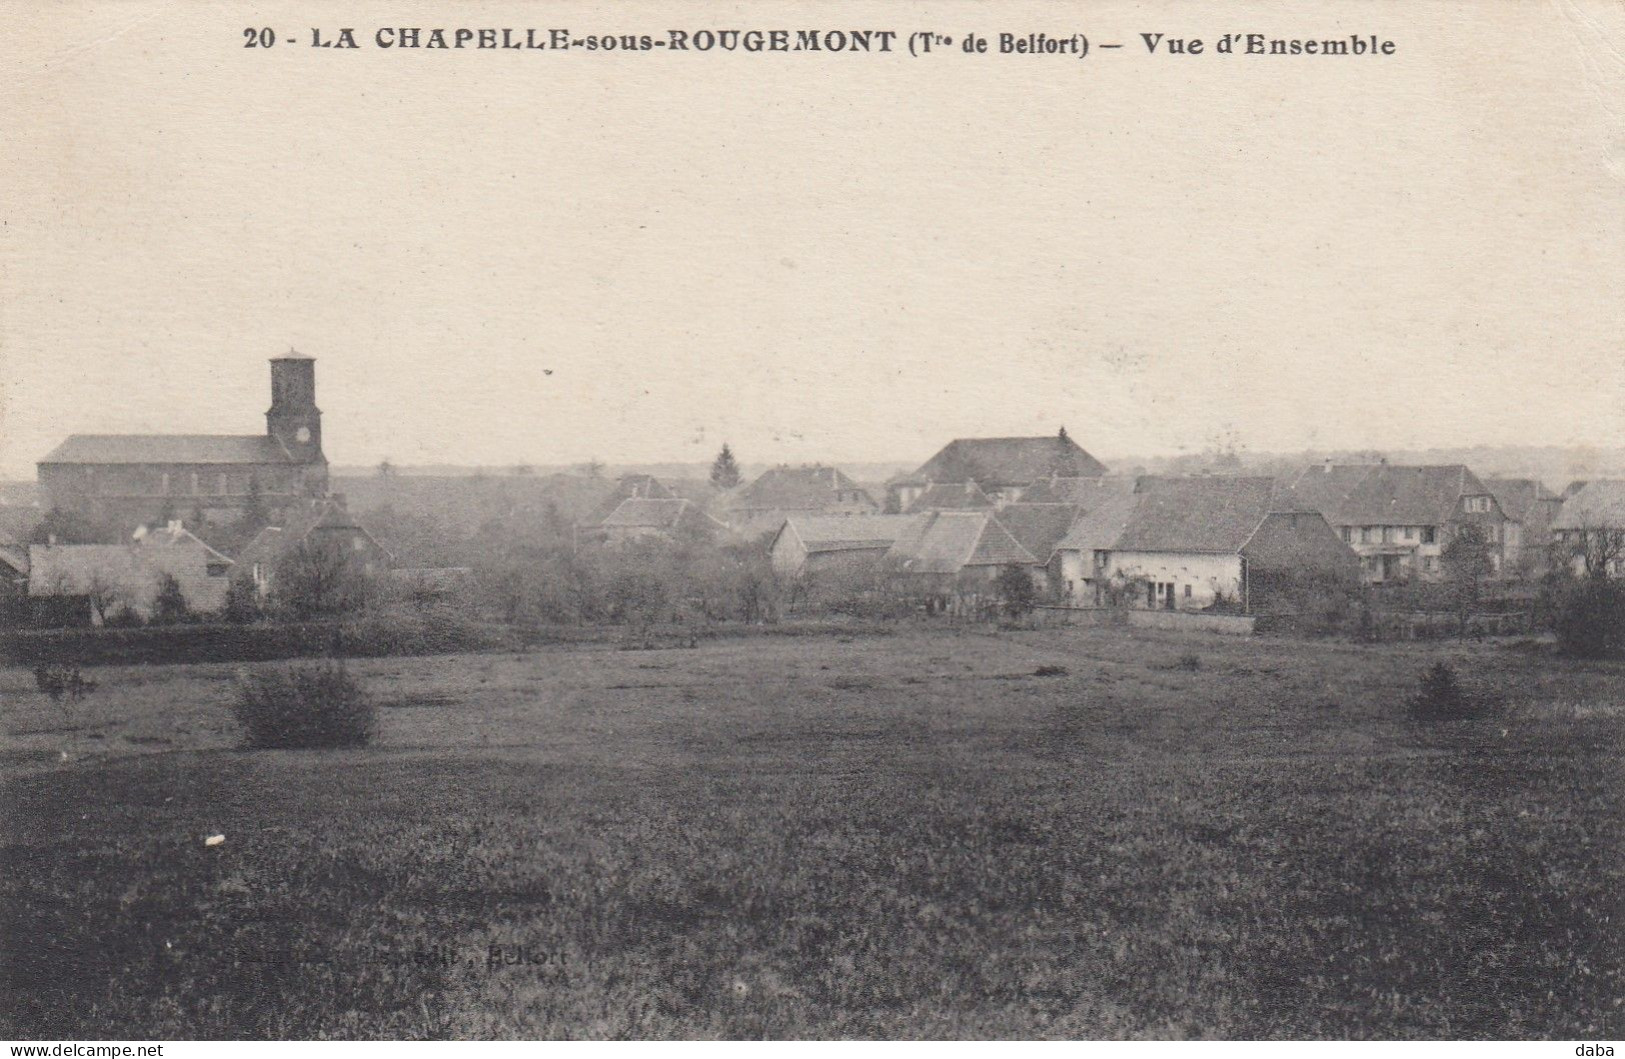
(895, 836)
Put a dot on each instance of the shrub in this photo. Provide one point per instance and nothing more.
(1442, 698)
(304, 707)
(170, 606)
(1591, 620)
(1190, 663)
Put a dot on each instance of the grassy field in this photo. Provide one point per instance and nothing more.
(882, 836)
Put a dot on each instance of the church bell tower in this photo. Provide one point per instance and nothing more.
(294, 418)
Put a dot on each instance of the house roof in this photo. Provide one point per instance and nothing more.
(169, 448)
(961, 496)
(1518, 497)
(1099, 529)
(628, 487)
(1599, 504)
(793, 488)
(177, 535)
(13, 553)
(298, 524)
(826, 533)
(1385, 494)
(1323, 486)
(1002, 462)
(1206, 514)
(1081, 493)
(71, 569)
(1402, 495)
(641, 513)
(1038, 527)
(945, 542)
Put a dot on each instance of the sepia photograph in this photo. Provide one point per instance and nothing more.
(787, 520)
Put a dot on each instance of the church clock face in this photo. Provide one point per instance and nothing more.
(302, 435)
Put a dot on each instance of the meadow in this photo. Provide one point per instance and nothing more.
(905, 835)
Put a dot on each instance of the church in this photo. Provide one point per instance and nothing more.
(128, 480)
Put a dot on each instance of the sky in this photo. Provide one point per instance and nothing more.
(504, 257)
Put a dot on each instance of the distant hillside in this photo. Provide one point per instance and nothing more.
(666, 472)
(1554, 466)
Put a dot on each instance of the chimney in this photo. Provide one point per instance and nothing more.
(176, 525)
(1326, 467)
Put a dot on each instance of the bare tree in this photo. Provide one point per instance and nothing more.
(105, 595)
(318, 577)
(1597, 551)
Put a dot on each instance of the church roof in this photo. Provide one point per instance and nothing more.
(170, 448)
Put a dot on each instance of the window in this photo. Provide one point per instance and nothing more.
(1348, 534)
(1429, 535)
(1478, 504)
(1388, 535)
(1410, 533)
(358, 543)
(1187, 592)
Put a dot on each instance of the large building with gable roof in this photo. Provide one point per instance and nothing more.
(1399, 519)
(1003, 468)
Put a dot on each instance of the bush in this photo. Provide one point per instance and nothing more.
(1591, 620)
(304, 707)
(170, 606)
(371, 636)
(1442, 698)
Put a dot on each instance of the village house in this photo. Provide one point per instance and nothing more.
(324, 525)
(953, 558)
(780, 492)
(638, 518)
(814, 545)
(1002, 468)
(1080, 565)
(1589, 529)
(1530, 508)
(126, 480)
(1039, 528)
(1194, 543)
(90, 583)
(13, 581)
(1400, 519)
(627, 487)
